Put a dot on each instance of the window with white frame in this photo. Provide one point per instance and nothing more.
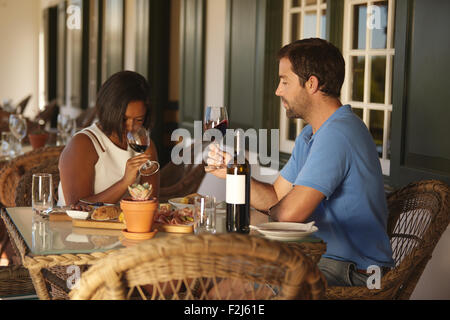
(302, 19)
(368, 49)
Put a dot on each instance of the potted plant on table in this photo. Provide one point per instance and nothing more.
(38, 137)
(139, 210)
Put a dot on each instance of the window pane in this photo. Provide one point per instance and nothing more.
(378, 80)
(113, 37)
(292, 129)
(323, 24)
(358, 78)
(310, 2)
(296, 3)
(359, 26)
(309, 26)
(359, 112)
(376, 129)
(378, 23)
(295, 27)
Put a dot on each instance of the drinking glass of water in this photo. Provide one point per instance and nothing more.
(204, 214)
(42, 193)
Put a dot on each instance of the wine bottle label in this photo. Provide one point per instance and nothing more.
(235, 188)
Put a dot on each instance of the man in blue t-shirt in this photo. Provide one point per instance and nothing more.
(333, 176)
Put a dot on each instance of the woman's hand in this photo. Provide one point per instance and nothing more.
(217, 158)
(132, 168)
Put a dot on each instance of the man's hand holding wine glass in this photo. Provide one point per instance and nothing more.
(217, 161)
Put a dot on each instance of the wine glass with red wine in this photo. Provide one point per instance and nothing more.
(139, 141)
(216, 117)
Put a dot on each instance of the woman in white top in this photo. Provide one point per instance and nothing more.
(97, 165)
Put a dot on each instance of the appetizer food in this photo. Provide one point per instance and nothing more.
(165, 206)
(187, 200)
(81, 207)
(140, 192)
(106, 213)
(183, 216)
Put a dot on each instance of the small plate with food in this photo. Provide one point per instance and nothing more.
(78, 214)
(184, 202)
(181, 203)
(106, 213)
(175, 221)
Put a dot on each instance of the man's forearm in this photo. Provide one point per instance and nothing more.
(262, 195)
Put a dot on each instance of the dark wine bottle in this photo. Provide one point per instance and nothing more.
(238, 190)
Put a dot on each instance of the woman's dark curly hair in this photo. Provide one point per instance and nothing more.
(115, 95)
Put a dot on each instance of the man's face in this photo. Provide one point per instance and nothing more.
(294, 97)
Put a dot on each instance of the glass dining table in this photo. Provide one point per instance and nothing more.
(55, 252)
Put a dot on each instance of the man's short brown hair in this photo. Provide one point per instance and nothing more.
(319, 58)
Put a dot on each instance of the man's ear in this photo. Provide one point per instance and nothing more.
(312, 85)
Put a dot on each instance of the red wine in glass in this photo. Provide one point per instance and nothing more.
(222, 126)
(216, 117)
(138, 147)
(139, 141)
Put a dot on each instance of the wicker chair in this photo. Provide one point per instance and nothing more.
(15, 281)
(188, 267)
(186, 179)
(12, 172)
(418, 215)
(23, 104)
(180, 180)
(86, 118)
(23, 193)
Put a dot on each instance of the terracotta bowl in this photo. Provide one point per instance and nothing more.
(38, 140)
(139, 214)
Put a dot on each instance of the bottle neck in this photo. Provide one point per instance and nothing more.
(239, 148)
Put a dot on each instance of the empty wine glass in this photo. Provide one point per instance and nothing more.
(216, 117)
(6, 145)
(66, 126)
(18, 127)
(139, 140)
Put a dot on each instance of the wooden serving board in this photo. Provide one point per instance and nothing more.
(174, 228)
(59, 216)
(98, 224)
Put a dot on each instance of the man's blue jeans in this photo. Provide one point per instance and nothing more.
(341, 273)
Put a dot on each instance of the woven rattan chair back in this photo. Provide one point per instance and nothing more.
(203, 267)
(181, 180)
(12, 172)
(23, 193)
(418, 216)
(86, 118)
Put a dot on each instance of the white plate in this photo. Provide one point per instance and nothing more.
(176, 202)
(76, 214)
(286, 230)
(79, 238)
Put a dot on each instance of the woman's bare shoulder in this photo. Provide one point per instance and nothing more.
(80, 147)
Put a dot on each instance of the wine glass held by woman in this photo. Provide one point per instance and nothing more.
(97, 165)
(139, 140)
